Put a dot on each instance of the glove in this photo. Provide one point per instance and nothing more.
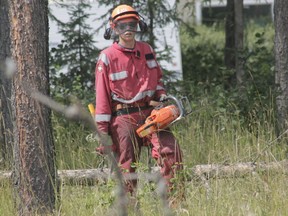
(163, 97)
(108, 147)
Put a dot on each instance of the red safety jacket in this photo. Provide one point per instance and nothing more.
(125, 76)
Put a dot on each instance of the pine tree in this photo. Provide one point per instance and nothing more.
(34, 169)
(72, 62)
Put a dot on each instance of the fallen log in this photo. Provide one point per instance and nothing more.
(207, 171)
(81, 176)
(4, 175)
(239, 169)
(84, 176)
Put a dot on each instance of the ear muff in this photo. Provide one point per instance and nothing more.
(143, 26)
(108, 33)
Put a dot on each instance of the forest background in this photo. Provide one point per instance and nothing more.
(231, 122)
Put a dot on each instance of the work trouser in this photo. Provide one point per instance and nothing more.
(128, 146)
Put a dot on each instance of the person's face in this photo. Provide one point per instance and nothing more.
(126, 28)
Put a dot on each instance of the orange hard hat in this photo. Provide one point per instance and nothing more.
(124, 11)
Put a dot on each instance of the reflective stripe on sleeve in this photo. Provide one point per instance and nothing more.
(138, 97)
(118, 76)
(159, 87)
(151, 63)
(104, 58)
(102, 117)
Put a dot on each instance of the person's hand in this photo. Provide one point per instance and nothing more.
(163, 98)
(106, 144)
(103, 150)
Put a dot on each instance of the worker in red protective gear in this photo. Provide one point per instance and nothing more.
(128, 78)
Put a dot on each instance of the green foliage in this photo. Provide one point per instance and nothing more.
(202, 56)
(72, 62)
(207, 136)
(205, 75)
(213, 135)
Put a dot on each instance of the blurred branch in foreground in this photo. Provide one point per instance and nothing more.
(76, 112)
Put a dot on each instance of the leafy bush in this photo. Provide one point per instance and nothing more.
(205, 75)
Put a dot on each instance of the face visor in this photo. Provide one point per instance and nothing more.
(129, 25)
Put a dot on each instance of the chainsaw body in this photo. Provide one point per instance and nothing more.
(163, 116)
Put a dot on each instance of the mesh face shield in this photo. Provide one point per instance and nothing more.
(122, 27)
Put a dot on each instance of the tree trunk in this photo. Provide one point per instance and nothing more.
(234, 41)
(6, 126)
(239, 31)
(281, 62)
(34, 173)
(151, 36)
(229, 51)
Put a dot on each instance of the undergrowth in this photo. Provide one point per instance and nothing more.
(206, 137)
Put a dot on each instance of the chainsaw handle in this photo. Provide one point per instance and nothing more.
(155, 103)
(180, 106)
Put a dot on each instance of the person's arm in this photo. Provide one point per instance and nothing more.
(103, 94)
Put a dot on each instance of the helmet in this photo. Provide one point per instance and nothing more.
(124, 11)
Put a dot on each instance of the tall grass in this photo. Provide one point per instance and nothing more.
(210, 135)
(6, 199)
(72, 149)
(206, 136)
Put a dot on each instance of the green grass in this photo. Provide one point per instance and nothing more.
(205, 137)
(6, 200)
(253, 195)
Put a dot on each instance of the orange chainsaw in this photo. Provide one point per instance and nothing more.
(163, 116)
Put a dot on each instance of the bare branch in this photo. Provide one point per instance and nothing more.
(76, 112)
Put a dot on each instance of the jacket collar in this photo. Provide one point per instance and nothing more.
(123, 49)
